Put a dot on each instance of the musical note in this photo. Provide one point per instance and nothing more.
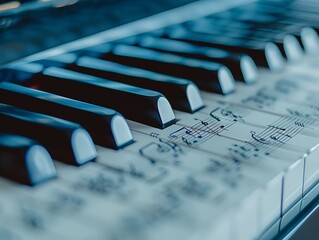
(273, 137)
(101, 183)
(222, 167)
(284, 86)
(276, 127)
(153, 134)
(210, 129)
(235, 153)
(172, 197)
(184, 132)
(204, 123)
(155, 150)
(297, 113)
(195, 188)
(180, 131)
(188, 142)
(155, 147)
(177, 149)
(214, 116)
(261, 99)
(135, 172)
(32, 219)
(228, 113)
(258, 138)
(245, 148)
(284, 134)
(160, 148)
(253, 145)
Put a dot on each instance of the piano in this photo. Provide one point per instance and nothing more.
(158, 119)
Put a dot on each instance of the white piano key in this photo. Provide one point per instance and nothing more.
(221, 230)
(242, 185)
(271, 232)
(290, 215)
(146, 197)
(243, 132)
(273, 168)
(9, 233)
(311, 175)
(27, 213)
(310, 196)
(300, 143)
(243, 182)
(281, 106)
(290, 164)
(246, 219)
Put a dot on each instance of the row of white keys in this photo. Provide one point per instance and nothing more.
(169, 201)
(258, 140)
(293, 133)
(284, 104)
(138, 202)
(266, 172)
(59, 207)
(20, 215)
(56, 209)
(236, 183)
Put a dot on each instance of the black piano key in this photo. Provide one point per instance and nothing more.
(182, 94)
(107, 127)
(138, 104)
(308, 38)
(24, 160)
(206, 75)
(292, 9)
(264, 54)
(305, 26)
(65, 141)
(214, 26)
(242, 66)
(286, 40)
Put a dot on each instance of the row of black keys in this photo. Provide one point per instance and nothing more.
(155, 63)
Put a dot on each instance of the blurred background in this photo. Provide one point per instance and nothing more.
(29, 26)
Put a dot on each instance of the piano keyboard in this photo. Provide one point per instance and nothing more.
(197, 123)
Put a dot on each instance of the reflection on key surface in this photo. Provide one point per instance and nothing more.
(133, 102)
(175, 89)
(241, 66)
(65, 141)
(24, 160)
(106, 126)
